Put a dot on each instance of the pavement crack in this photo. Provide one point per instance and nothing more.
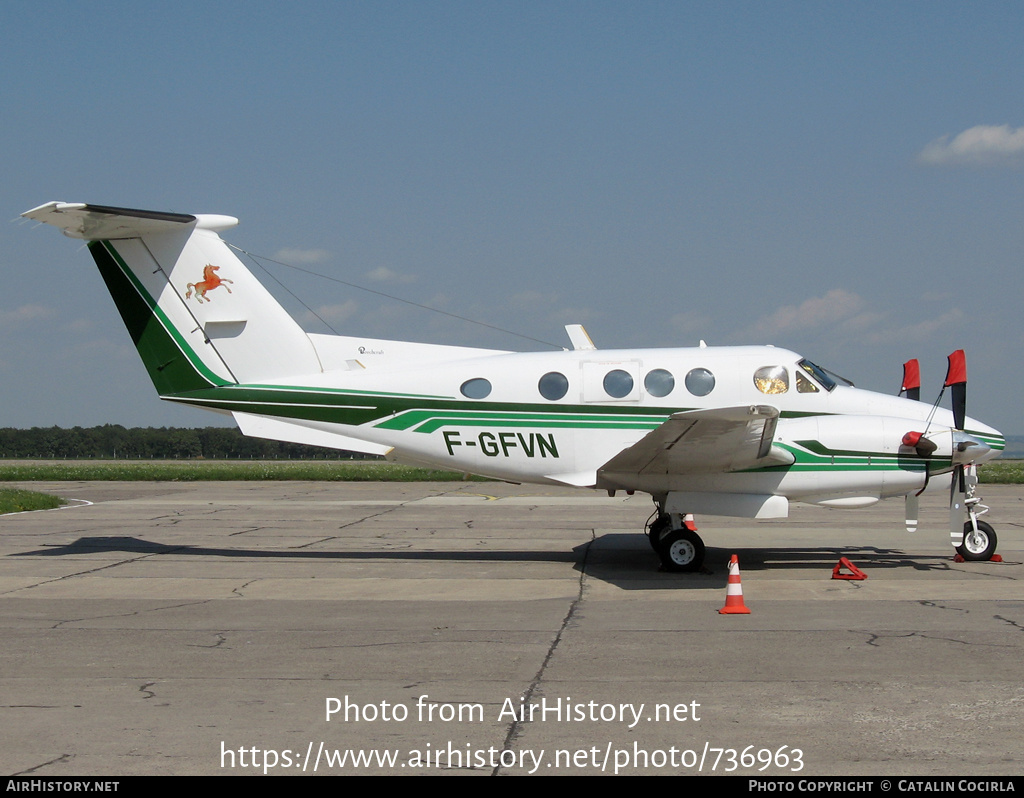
(516, 726)
(369, 516)
(316, 542)
(875, 638)
(131, 614)
(246, 531)
(59, 759)
(219, 638)
(1015, 624)
(938, 606)
(238, 590)
(99, 568)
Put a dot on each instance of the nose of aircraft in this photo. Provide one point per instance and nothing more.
(968, 449)
(980, 444)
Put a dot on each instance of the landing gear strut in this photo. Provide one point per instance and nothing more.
(979, 539)
(676, 542)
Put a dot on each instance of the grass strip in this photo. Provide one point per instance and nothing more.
(15, 500)
(1000, 472)
(220, 471)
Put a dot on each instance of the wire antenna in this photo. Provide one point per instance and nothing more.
(257, 258)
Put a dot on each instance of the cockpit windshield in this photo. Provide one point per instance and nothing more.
(823, 377)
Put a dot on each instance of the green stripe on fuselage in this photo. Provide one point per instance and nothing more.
(812, 455)
(410, 412)
(432, 420)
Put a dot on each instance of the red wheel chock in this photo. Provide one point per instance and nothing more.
(855, 574)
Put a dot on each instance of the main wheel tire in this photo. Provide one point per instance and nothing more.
(659, 526)
(977, 546)
(681, 550)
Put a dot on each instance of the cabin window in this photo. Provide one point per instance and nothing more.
(553, 385)
(700, 382)
(772, 379)
(476, 388)
(659, 382)
(618, 383)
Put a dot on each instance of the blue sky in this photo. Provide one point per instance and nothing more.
(843, 180)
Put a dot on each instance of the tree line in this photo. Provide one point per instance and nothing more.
(112, 441)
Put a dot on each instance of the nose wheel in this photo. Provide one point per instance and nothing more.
(979, 544)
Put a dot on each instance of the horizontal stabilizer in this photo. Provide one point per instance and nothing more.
(106, 223)
(275, 429)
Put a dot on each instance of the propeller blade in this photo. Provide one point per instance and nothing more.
(956, 380)
(957, 506)
(912, 506)
(912, 379)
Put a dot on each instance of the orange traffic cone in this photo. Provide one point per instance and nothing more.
(734, 592)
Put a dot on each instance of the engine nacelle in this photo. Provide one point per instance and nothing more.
(853, 460)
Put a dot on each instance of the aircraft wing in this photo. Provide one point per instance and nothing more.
(705, 441)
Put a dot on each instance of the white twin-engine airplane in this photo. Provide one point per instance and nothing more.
(734, 431)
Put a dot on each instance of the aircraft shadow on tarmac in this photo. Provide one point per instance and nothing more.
(622, 559)
(625, 560)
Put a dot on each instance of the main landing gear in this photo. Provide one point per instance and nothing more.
(676, 542)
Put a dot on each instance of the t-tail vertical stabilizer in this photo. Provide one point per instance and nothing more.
(197, 315)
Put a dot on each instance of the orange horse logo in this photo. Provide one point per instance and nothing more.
(208, 283)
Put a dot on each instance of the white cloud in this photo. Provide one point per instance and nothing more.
(383, 274)
(841, 315)
(530, 299)
(920, 331)
(302, 255)
(985, 145)
(339, 312)
(25, 314)
(837, 305)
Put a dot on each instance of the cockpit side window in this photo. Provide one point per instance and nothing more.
(819, 374)
(772, 379)
(804, 385)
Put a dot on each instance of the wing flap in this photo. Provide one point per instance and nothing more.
(705, 441)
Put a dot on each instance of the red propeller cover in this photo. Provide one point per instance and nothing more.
(957, 371)
(911, 375)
